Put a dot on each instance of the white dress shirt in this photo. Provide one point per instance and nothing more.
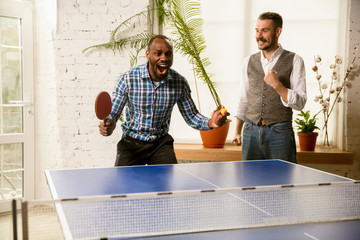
(296, 94)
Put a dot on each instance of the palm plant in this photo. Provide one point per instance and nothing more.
(183, 18)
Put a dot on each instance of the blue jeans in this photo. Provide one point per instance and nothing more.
(276, 141)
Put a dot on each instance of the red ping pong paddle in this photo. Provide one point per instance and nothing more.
(103, 105)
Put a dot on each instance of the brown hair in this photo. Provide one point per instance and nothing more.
(275, 17)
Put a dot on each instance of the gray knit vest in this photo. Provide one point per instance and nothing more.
(264, 102)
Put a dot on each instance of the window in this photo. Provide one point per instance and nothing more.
(16, 94)
(310, 27)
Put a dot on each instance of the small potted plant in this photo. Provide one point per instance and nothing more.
(306, 127)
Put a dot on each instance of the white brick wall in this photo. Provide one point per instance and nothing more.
(67, 81)
(353, 97)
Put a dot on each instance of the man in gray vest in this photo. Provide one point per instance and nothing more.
(273, 83)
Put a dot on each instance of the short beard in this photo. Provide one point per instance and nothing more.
(268, 47)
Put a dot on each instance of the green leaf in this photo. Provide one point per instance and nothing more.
(306, 124)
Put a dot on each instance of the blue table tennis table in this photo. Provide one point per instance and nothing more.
(75, 183)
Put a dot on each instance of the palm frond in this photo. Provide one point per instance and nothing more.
(162, 6)
(187, 26)
(127, 23)
(184, 19)
(134, 57)
(138, 42)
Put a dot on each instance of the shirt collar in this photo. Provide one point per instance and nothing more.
(146, 75)
(276, 54)
(144, 71)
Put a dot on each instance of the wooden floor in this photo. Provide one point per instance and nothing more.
(43, 225)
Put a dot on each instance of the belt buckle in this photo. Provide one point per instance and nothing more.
(263, 122)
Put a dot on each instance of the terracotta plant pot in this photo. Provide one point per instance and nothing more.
(215, 138)
(307, 141)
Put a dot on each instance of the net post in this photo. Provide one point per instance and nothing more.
(14, 219)
(24, 215)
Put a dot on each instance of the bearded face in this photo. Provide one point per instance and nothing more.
(160, 56)
(266, 35)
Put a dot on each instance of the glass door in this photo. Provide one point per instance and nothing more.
(16, 96)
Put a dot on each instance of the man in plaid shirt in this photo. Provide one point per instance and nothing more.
(150, 92)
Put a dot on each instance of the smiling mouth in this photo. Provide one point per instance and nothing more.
(261, 40)
(162, 68)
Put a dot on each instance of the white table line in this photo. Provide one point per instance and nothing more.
(190, 173)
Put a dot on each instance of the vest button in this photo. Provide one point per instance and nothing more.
(263, 104)
(263, 96)
(262, 113)
(264, 88)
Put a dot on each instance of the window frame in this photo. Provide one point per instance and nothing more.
(24, 11)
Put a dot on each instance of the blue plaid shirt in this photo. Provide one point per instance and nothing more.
(149, 107)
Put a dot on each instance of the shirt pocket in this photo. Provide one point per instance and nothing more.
(166, 99)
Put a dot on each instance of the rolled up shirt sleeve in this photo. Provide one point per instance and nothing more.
(242, 104)
(189, 111)
(297, 92)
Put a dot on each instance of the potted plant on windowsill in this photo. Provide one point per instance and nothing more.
(306, 127)
(184, 19)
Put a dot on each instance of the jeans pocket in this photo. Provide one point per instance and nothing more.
(282, 127)
(247, 125)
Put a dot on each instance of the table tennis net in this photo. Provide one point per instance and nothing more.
(152, 214)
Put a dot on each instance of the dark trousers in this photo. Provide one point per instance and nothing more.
(131, 151)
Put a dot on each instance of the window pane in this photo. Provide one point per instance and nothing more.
(11, 75)
(11, 169)
(11, 115)
(11, 120)
(9, 31)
